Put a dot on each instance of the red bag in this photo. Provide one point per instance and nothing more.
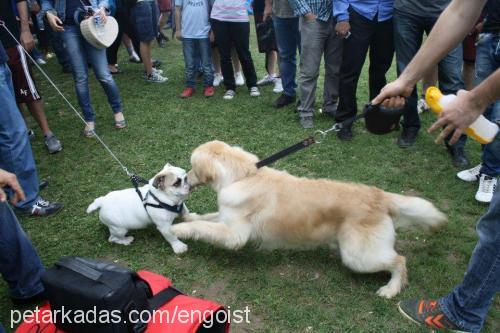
(182, 314)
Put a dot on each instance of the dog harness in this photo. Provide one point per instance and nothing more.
(136, 180)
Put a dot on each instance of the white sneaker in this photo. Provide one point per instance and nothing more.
(487, 186)
(240, 80)
(254, 92)
(422, 106)
(154, 77)
(266, 80)
(278, 86)
(218, 79)
(156, 72)
(40, 61)
(229, 94)
(470, 175)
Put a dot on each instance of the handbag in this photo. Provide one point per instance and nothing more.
(87, 295)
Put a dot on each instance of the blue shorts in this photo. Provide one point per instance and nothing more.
(145, 20)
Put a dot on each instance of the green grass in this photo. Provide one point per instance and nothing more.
(286, 291)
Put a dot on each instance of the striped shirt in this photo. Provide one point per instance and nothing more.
(323, 9)
(229, 11)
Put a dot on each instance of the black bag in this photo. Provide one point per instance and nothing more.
(82, 287)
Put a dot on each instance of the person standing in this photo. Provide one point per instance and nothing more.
(15, 150)
(61, 17)
(22, 76)
(411, 19)
(364, 24)
(286, 27)
(466, 307)
(317, 32)
(231, 27)
(193, 28)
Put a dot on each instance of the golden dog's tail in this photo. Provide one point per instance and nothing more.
(407, 211)
(94, 205)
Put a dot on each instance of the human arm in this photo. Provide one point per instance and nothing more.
(341, 13)
(178, 17)
(450, 29)
(10, 179)
(466, 108)
(51, 15)
(268, 10)
(301, 8)
(26, 37)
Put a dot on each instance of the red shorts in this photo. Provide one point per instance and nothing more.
(165, 5)
(22, 76)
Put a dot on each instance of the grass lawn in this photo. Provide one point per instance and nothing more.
(286, 291)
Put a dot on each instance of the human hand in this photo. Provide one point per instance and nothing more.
(26, 39)
(310, 17)
(393, 95)
(55, 22)
(102, 13)
(455, 117)
(342, 29)
(10, 179)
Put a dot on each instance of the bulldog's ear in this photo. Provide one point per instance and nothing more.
(168, 165)
(159, 182)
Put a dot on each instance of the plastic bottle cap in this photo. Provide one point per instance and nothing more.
(432, 97)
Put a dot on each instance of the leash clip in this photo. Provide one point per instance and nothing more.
(319, 133)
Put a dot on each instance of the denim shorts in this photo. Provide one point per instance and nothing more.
(145, 20)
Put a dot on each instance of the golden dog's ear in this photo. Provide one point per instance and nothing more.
(163, 180)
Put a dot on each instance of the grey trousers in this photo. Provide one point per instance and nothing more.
(318, 38)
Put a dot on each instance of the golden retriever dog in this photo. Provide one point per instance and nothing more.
(278, 210)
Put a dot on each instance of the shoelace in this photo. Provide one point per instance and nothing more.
(488, 184)
(42, 203)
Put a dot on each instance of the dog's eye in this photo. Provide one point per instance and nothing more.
(178, 182)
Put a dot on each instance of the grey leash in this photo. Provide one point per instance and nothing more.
(124, 168)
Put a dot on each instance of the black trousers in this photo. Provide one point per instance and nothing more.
(122, 17)
(237, 34)
(365, 34)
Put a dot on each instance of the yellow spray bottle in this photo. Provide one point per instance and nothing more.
(481, 130)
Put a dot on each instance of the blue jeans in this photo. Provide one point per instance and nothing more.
(195, 50)
(288, 40)
(144, 16)
(80, 52)
(20, 265)
(15, 149)
(408, 33)
(487, 62)
(58, 46)
(467, 305)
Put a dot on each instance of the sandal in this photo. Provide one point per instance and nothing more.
(88, 133)
(119, 124)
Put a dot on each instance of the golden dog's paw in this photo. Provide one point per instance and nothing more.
(181, 230)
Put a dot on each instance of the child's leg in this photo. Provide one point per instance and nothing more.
(206, 62)
(189, 50)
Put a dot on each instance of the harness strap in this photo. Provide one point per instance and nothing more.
(136, 180)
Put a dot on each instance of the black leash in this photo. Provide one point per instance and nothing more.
(311, 139)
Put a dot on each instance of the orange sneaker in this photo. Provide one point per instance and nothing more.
(208, 91)
(188, 92)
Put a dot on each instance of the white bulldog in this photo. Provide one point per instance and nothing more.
(164, 197)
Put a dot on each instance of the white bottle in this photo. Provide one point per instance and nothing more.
(481, 130)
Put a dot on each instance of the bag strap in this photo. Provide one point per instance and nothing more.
(82, 268)
(162, 298)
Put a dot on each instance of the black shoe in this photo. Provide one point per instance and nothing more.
(283, 100)
(460, 160)
(330, 110)
(408, 137)
(43, 208)
(345, 133)
(38, 298)
(43, 184)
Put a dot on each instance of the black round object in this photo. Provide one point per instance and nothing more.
(381, 120)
